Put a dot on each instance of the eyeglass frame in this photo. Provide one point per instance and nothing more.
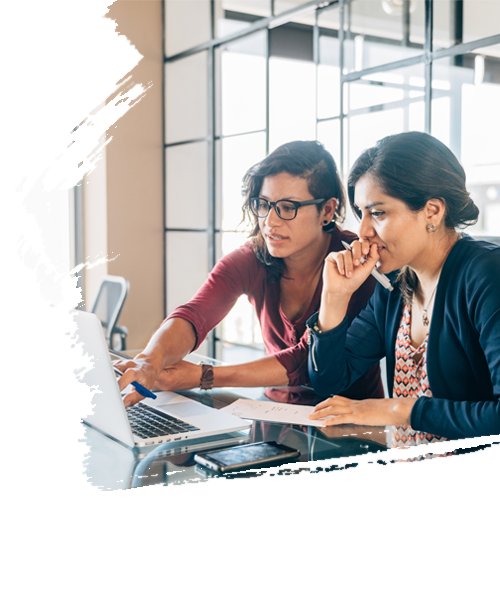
(296, 203)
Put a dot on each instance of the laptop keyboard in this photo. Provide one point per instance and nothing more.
(147, 422)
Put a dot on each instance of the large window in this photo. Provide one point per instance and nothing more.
(243, 76)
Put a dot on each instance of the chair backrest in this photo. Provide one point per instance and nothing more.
(109, 302)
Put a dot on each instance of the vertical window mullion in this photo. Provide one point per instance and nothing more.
(343, 149)
(316, 67)
(268, 46)
(429, 13)
(211, 96)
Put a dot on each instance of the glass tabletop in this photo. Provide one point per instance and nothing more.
(110, 465)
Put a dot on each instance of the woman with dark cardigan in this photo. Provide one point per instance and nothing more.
(295, 201)
(439, 329)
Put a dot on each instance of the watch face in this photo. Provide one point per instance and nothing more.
(207, 377)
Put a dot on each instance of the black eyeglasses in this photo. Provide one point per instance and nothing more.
(285, 209)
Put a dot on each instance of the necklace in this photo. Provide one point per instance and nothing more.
(425, 316)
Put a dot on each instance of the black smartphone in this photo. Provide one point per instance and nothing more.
(246, 456)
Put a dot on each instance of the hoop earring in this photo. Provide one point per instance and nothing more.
(431, 228)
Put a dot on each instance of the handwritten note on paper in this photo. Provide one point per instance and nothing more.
(277, 412)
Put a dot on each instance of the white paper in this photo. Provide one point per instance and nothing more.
(277, 412)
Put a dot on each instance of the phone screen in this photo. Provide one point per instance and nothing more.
(246, 455)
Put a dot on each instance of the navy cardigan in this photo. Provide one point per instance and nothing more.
(463, 351)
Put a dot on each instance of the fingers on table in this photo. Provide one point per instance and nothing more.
(336, 410)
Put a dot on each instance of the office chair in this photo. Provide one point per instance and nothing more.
(108, 305)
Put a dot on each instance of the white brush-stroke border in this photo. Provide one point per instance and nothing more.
(407, 529)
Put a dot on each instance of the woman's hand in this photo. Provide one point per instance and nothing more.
(344, 272)
(183, 375)
(137, 369)
(338, 410)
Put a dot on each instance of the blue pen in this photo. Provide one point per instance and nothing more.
(139, 388)
(143, 390)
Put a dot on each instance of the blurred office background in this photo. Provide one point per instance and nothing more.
(232, 79)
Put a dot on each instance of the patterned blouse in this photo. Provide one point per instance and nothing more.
(410, 379)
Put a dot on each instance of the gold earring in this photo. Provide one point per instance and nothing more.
(431, 228)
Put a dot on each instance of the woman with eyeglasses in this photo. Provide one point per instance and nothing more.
(295, 200)
(439, 329)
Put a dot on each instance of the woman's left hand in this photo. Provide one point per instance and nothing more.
(183, 375)
(338, 410)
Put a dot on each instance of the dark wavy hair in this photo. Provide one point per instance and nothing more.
(307, 159)
(415, 167)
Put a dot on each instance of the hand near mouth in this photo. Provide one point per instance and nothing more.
(344, 272)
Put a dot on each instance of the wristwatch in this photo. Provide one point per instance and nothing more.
(207, 376)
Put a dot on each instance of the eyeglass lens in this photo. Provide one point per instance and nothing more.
(284, 209)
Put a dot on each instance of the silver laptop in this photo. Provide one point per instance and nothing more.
(169, 417)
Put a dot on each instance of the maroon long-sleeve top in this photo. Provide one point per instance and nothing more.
(240, 272)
